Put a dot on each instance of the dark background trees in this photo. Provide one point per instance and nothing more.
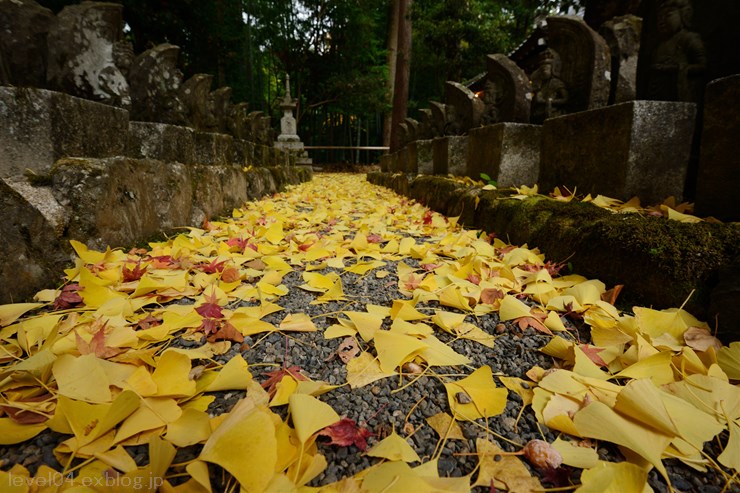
(336, 52)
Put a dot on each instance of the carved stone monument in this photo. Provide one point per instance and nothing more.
(679, 59)
(194, 94)
(507, 92)
(426, 125)
(155, 81)
(439, 118)
(81, 62)
(507, 152)
(464, 108)
(585, 63)
(622, 34)
(550, 94)
(238, 121)
(220, 103)
(24, 25)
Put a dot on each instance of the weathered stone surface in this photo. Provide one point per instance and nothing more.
(507, 92)
(425, 131)
(118, 201)
(244, 152)
(618, 151)
(42, 126)
(194, 93)
(238, 121)
(425, 157)
(622, 35)
(154, 82)
(81, 59)
(439, 119)
(464, 108)
(161, 141)
(644, 253)
(585, 62)
(214, 149)
(217, 189)
(385, 162)
(600, 11)
(30, 246)
(450, 155)
(507, 152)
(220, 104)
(719, 165)
(24, 25)
(411, 164)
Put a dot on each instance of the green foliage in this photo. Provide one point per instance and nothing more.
(488, 180)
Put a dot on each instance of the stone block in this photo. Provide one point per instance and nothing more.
(450, 155)
(385, 162)
(394, 166)
(507, 152)
(411, 164)
(120, 200)
(39, 127)
(638, 148)
(216, 190)
(718, 180)
(161, 141)
(214, 149)
(424, 157)
(244, 152)
(261, 155)
(31, 247)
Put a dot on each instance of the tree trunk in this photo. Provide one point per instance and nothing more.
(403, 64)
(391, 60)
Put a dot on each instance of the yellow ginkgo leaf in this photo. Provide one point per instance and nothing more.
(366, 323)
(396, 349)
(448, 321)
(728, 359)
(657, 367)
(405, 310)
(512, 308)
(297, 322)
(657, 322)
(611, 477)
(191, 427)
(576, 456)
(502, 471)
(445, 426)
(597, 420)
(335, 293)
(274, 233)
(365, 369)
(11, 313)
(234, 375)
(245, 445)
(172, 375)
(394, 448)
(12, 432)
(82, 378)
(310, 415)
(438, 353)
(476, 396)
(391, 477)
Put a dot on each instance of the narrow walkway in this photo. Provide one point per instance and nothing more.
(341, 333)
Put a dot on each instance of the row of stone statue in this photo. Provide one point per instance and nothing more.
(82, 52)
(571, 68)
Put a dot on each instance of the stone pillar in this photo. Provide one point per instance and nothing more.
(507, 152)
(24, 26)
(638, 148)
(425, 157)
(718, 184)
(155, 83)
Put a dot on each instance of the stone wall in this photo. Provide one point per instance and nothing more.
(71, 168)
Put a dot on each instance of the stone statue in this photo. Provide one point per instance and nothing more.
(237, 121)
(155, 82)
(464, 109)
(622, 34)
(426, 126)
(549, 93)
(24, 25)
(81, 62)
(194, 93)
(679, 60)
(220, 104)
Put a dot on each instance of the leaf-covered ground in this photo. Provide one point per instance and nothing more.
(338, 337)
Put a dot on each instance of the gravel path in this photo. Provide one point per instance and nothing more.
(400, 404)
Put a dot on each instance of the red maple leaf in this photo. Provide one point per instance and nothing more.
(347, 432)
(374, 238)
(305, 246)
(213, 267)
(96, 345)
(533, 322)
(133, 274)
(427, 218)
(593, 354)
(474, 278)
(490, 295)
(68, 298)
(412, 282)
(211, 308)
(275, 377)
(147, 322)
(240, 243)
